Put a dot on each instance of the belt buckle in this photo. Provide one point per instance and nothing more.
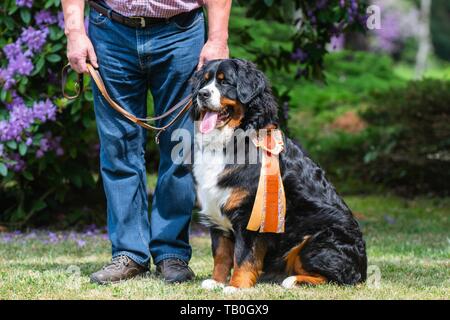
(141, 19)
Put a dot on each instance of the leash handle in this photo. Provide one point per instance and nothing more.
(184, 104)
(79, 84)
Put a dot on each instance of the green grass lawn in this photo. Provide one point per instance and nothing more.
(407, 240)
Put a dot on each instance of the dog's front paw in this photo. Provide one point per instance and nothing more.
(289, 282)
(211, 284)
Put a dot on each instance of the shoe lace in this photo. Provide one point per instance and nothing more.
(177, 264)
(117, 263)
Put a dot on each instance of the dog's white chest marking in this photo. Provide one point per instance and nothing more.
(208, 165)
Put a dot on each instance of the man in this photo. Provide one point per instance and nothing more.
(140, 45)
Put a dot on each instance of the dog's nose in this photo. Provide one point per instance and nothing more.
(204, 94)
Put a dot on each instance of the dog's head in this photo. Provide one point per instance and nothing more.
(232, 93)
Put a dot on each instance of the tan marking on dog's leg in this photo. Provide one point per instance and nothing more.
(223, 260)
(247, 273)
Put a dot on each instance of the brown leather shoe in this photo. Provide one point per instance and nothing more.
(120, 268)
(174, 270)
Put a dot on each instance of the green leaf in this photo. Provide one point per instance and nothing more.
(268, 3)
(25, 15)
(38, 205)
(73, 152)
(75, 108)
(28, 175)
(3, 169)
(22, 88)
(12, 145)
(56, 47)
(39, 65)
(22, 149)
(3, 95)
(76, 179)
(55, 33)
(88, 96)
(48, 4)
(86, 120)
(53, 58)
(13, 8)
(9, 22)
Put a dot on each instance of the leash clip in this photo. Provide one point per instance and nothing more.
(157, 136)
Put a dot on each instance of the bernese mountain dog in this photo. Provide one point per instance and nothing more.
(321, 242)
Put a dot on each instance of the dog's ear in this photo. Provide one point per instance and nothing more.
(195, 82)
(250, 81)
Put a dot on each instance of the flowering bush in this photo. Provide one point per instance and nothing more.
(45, 140)
(317, 24)
(399, 24)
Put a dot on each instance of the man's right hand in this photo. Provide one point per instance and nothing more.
(79, 51)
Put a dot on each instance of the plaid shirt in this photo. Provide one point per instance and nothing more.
(151, 8)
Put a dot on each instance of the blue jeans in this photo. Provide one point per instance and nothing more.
(161, 58)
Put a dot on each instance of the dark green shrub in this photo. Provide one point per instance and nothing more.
(440, 28)
(409, 130)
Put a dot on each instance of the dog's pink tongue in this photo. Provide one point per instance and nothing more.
(209, 122)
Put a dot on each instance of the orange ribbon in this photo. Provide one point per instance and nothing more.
(269, 208)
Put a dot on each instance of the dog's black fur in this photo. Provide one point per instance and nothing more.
(334, 248)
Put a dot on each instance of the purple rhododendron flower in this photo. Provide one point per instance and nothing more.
(24, 3)
(7, 75)
(397, 25)
(299, 55)
(39, 154)
(44, 145)
(320, 4)
(337, 42)
(44, 110)
(22, 117)
(18, 164)
(60, 18)
(16, 100)
(44, 17)
(19, 61)
(21, 64)
(47, 143)
(12, 50)
(34, 39)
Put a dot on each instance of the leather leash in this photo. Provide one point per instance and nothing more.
(183, 105)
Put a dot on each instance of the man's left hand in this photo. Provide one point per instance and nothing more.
(213, 50)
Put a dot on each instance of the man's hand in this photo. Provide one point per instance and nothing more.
(216, 47)
(79, 50)
(79, 47)
(213, 50)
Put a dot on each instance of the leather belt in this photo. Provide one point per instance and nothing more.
(183, 105)
(133, 22)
